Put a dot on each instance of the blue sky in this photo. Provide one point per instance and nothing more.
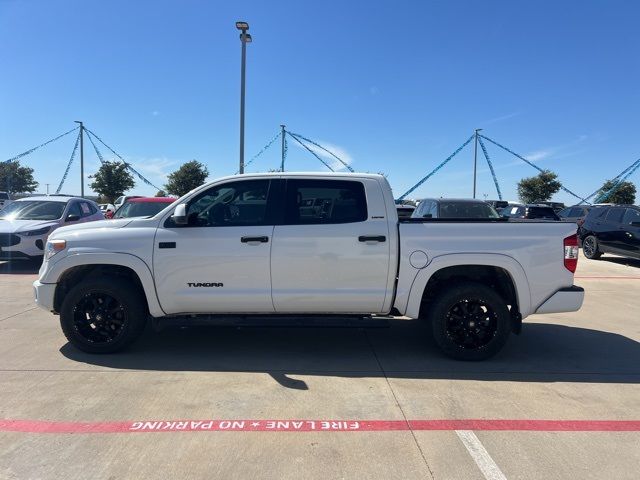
(392, 86)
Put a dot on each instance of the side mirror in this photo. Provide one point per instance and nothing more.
(72, 218)
(180, 215)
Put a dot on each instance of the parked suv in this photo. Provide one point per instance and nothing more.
(614, 229)
(26, 224)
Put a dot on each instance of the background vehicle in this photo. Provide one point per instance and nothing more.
(315, 245)
(575, 214)
(143, 206)
(613, 229)
(498, 204)
(454, 208)
(531, 211)
(26, 223)
(107, 209)
(405, 211)
(557, 206)
(123, 198)
(5, 199)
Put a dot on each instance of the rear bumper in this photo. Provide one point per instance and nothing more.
(567, 299)
(44, 293)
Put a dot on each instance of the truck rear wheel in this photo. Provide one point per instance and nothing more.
(470, 321)
(103, 315)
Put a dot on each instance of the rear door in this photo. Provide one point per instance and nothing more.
(331, 254)
(610, 229)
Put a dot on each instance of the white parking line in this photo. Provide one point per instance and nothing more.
(485, 463)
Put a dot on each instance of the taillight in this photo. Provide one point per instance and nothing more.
(571, 253)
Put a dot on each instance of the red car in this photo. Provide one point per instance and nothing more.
(143, 207)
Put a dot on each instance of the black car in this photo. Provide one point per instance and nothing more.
(575, 214)
(614, 229)
(454, 208)
(531, 211)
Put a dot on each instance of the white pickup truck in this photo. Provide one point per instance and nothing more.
(319, 245)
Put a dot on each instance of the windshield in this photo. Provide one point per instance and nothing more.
(542, 212)
(33, 210)
(467, 210)
(140, 209)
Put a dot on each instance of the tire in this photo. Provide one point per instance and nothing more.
(470, 321)
(590, 247)
(103, 315)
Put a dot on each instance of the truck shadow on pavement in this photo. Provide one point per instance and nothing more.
(543, 353)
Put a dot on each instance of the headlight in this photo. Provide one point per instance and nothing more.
(53, 247)
(33, 233)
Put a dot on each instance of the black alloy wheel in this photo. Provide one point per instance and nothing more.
(470, 320)
(471, 324)
(103, 314)
(99, 317)
(590, 247)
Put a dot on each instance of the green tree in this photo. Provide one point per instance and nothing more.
(539, 188)
(15, 178)
(161, 193)
(625, 193)
(112, 180)
(189, 176)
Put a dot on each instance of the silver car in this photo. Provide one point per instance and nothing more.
(26, 224)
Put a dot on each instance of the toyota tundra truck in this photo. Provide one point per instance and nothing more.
(321, 245)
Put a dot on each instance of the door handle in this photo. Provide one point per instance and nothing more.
(167, 245)
(263, 239)
(372, 238)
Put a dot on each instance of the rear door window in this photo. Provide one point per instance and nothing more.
(614, 215)
(631, 215)
(324, 202)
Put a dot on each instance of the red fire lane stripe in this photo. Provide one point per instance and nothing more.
(609, 277)
(35, 426)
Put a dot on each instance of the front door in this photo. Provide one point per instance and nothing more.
(219, 262)
(331, 254)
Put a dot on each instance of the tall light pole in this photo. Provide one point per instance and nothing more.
(284, 142)
(81, 158)
(475, 161)
(244, 39)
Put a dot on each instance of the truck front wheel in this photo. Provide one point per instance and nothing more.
(470, 321)
(103, 315)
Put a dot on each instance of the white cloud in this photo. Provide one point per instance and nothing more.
(155, 113)
(330, 159)
(500, 118)
(538, 155)
(157, 167)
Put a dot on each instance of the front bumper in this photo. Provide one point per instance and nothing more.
(567, 299)
(44, 294)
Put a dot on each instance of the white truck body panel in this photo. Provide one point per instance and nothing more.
(315, 268)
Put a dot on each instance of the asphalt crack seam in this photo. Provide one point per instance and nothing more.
(19, 313)
(395, 398)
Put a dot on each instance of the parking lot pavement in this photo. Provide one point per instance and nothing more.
(582, 368)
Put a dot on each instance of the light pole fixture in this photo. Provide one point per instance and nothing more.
(244, 39)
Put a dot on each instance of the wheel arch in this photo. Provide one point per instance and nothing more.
(72, 269)
(501, 270)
